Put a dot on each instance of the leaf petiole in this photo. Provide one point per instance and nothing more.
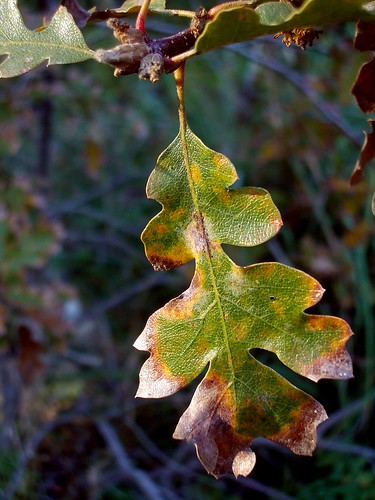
(140, 23)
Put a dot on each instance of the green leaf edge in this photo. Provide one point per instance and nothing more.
(312, 13)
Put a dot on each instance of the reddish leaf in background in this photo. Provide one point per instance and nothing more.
(364, 87)
(367, 154)
(30, 350)
(80, 15)
(2, 319)
(365, 36)
(364, 92)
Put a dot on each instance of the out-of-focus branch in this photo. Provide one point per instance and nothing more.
(130, 473)
(348, 449)
(302, 83)
(29, 452)
(68, 206)
(349, 410)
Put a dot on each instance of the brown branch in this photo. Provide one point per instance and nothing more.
(304, 86)
(150, 58)
(136, 476)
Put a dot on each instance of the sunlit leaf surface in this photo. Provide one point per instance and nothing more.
(61, 42)
(229, 310)
(238, 24)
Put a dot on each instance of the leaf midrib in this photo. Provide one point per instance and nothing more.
(183, 132)
(50, 44)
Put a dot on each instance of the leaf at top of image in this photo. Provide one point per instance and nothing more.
(132, 6)
(229, 310)
(61, 42)
(238, 24)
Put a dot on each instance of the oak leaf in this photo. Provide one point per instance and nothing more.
(61, 42)
(241, 23)
(229, 310)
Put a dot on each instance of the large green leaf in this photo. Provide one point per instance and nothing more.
(60, 43)
(229, 310)
(238, 24)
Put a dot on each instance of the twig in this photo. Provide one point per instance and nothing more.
(145, 284)
(139, 478)
(109, 220)
(155, 452)
(97, 240)
(262, 488)
(304, 86)
(98, 192)
(347, 411)
(30, 450)
(348, 449)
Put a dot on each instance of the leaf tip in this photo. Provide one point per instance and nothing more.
(336, 362)
(155, 382)
(277, 223)
(243, 463)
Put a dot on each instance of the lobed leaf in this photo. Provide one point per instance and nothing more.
(243, 216)
(239, 24)
(229, 310)
(61, 42)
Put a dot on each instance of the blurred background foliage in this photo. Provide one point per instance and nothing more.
(77, 146)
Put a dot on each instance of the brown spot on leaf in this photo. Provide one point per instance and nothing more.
(219, 160)
(160, 229)
(299, 434)
(336, 362)
(195, 173)
(164, 263)
(367, 154)
(208, 424)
